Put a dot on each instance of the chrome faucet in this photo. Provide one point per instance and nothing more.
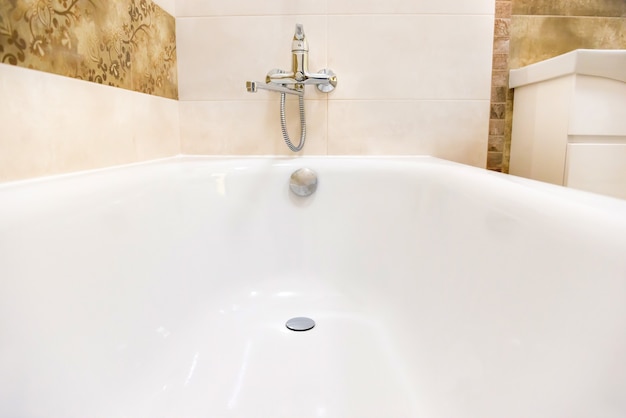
(293, 82)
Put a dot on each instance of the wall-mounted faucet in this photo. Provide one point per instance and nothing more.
(294, 81)
(326, 80)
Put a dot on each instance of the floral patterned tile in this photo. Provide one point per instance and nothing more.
(129, 43)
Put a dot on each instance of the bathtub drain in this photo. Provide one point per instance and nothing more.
(300, 324)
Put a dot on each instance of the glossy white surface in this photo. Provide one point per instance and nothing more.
(598, 167)
(439, 290)
(598, 107)
(606, 63)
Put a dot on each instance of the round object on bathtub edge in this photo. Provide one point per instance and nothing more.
(303, 182)
(300, 324)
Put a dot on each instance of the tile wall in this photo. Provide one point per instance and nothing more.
(499, 85)
(51, 123)
(528, 31)
(414, 76)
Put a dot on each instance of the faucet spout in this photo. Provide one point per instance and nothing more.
(254, 86)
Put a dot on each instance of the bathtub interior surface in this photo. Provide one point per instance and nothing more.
(439, 291)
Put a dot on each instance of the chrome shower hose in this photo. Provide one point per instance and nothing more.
(283, 123)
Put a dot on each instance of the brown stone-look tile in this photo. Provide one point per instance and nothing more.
(498, 94)
(536, 38)
(500, 79)
(501, 28)
(497, 111)
(496, 127)
(495, 144)
(501, 46)
(604, 8)
(500, 62)
(494, 161)
(504, 9)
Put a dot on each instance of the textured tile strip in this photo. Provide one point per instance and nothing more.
(128, 43)
(499, 85)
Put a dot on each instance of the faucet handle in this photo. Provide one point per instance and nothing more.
(327, 82)
(299, 43)
(299, 34)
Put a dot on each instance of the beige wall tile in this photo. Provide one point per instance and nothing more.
(25, 143)
(414, 6)
(410, 127)
(156, 127)
(411, 57)
(167, 5)
(57, 124)
(388, 58)
(89, 127)
(217, 55)
(249, 127)
(249, 8)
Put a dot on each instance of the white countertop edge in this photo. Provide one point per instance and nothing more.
(607, 63)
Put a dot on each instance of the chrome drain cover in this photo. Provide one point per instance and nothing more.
(303, 182)
(300, 324)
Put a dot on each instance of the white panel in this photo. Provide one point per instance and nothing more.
(598, 168)
(191, 8)
(411, 6)
(249, 127)
(599, 107)
(540, 123)
(411, 57)
(58, 124)
(217, 55)
(454, 130)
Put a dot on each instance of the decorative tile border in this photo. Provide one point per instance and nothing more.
(127, 43)
(499, 86)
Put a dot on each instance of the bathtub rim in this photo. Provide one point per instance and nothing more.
(552, 191)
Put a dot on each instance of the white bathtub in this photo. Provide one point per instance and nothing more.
(439, 291)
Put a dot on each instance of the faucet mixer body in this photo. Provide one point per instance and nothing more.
(299, 54)
(293, 82)
(299, 75)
